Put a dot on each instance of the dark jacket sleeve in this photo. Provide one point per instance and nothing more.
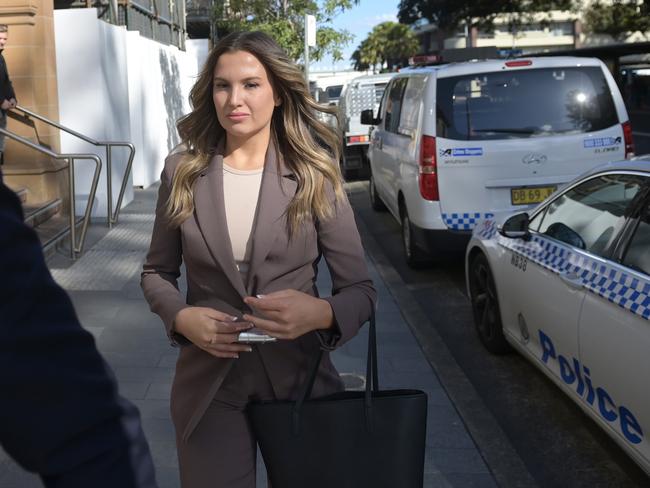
(60, 414)
(6, 88)
(353, 294)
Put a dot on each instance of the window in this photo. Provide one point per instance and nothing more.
(637, 255)
(411, 102)
(334, 92)
(590, 215)
(513, 104)
(536, 221)
(394, 104)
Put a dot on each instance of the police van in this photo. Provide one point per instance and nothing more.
(362, 93)
(459, 143)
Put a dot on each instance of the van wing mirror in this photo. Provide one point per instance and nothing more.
(368, 117)
(516, 227)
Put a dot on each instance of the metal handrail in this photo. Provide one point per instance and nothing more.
(75, 247)
(112, 216)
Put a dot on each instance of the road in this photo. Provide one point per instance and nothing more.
(558, 443)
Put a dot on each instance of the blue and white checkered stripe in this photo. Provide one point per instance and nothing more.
(486, 230)
(607, 280)
(464, 221)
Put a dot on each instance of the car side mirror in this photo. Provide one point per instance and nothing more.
(516, 227)
(368, 117)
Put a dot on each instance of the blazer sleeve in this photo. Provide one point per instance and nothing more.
(60, 413)
(159, 279)
(353, 294)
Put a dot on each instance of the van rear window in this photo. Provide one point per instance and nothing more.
(524, 103)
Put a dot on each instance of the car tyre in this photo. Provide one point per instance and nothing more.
(375, 201)
(413, 255)
(485, 306)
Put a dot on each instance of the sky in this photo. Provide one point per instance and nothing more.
(359, 21)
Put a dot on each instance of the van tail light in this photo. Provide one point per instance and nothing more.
(627, 137)
(428, 177)
(519, 64)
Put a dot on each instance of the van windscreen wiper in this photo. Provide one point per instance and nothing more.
(509, 130)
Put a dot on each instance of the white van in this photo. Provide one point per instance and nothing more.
(459, 143)
(362, 93)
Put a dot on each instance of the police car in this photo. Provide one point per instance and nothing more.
(568, 286)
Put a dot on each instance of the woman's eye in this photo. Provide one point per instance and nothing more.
(251, 85)
(220, 85)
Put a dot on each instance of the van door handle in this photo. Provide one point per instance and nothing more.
(571, 279)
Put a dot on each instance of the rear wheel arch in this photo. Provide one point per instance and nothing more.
(473, 252)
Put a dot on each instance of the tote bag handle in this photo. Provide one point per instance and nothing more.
(371, 378)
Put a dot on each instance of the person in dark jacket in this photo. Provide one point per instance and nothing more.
(7, 94)
(60, 414)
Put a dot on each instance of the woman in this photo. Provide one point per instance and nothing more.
(250, 206)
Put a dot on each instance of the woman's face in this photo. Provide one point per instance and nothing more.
(243, 95)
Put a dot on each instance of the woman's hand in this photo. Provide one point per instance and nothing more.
(288, 314)
(213, 331)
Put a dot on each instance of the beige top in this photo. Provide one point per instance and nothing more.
(241, 190)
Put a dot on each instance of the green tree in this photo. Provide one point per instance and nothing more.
(284, 20)
(448, 15)
(388, 42)
(619, 19)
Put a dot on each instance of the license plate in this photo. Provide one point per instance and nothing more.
(527, 196)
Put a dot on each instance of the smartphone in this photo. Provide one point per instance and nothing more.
(255, 336)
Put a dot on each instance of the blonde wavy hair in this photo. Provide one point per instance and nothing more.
(309, 147)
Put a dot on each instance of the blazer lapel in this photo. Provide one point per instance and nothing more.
(277, 189)
(211, 216)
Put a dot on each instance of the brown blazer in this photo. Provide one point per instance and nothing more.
(276, 263)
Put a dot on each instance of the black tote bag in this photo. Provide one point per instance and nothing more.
(351, 439)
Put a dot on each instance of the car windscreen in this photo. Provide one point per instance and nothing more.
(334, 92)
(524, 103)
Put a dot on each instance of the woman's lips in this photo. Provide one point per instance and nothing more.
(237, 116)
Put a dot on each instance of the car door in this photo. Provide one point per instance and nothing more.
(545, 276)
(376, 151)
(614, 334)
(404, 156)
(392, 141)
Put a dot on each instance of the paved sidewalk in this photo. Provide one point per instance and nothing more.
(104, 286)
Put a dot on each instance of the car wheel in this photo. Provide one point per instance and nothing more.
(413, 255)
(485, 306)
(375, 201)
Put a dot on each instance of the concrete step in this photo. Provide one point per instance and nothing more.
(54, 232)
(22, 194)
(36, 215)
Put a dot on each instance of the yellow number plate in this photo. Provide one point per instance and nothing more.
(526, 196)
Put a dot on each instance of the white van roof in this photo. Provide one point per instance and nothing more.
(491, 65)
(371, 79)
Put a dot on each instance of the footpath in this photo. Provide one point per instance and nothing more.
(104, 286)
